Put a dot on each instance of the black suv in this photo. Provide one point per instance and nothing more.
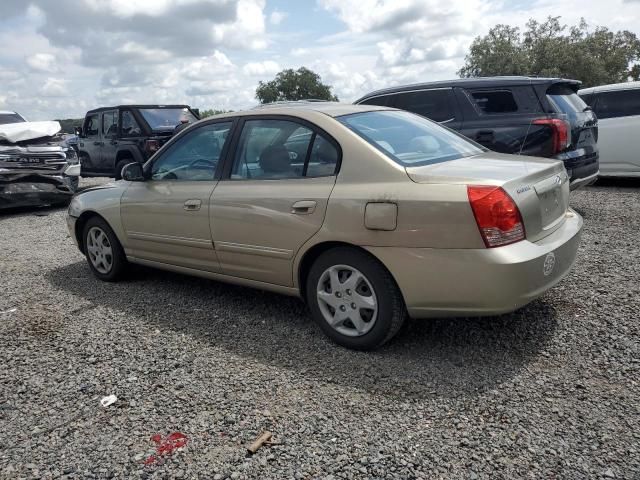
(541, 117)
(112, 137)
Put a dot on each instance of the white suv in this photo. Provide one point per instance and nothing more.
(617, 107)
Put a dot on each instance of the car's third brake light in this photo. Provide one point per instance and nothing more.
(560, 129)
(496, 214)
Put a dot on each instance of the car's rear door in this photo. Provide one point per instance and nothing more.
(166, 218)
(272, 197)
(499, 117)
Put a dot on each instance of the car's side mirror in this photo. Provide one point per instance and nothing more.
(133, 172)
(78, 131)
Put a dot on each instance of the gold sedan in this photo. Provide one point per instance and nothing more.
(370, 214)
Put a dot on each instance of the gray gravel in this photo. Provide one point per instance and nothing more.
(550, 391)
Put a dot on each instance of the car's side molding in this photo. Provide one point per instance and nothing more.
(291, 291)
(253, 250)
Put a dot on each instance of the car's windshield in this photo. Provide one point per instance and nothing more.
(409, 139)
(10, 118)
(167, 118)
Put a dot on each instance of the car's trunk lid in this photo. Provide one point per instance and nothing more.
(540, 187)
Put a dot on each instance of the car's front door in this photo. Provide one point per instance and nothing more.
(166, 217)
(273, 199)
(90, 144)
(109, 141)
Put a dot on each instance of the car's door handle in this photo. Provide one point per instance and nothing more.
(304, 207)
(192, 205)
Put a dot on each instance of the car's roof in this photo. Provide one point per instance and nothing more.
(100, 109)
(8, 112)
(332, 109)
(611, 86)
(476, 82)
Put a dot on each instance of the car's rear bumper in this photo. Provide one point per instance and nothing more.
(582, 166)
(476, 282)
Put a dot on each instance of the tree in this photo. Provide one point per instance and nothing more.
(547, 49)
(212, 111)
(293, 84)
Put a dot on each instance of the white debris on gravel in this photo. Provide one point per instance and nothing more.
(550, 391)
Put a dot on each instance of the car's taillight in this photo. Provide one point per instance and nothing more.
(151, 146)
(497, 215)
(560, 130)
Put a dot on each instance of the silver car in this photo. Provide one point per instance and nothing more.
(370, 214)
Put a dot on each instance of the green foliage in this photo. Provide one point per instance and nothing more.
(68, 124)
(212, 111)
(301, 84)
(548, 50)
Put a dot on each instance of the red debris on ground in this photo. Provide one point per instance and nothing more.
(166, 445)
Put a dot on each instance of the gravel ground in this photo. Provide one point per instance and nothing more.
(550, 391)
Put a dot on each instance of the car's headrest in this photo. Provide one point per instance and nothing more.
(275, 159)
(424, 144)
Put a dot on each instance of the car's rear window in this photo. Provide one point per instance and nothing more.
(167, 118)
(565, 100)
(409, 139)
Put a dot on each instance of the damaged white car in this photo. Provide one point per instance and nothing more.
(37, 165)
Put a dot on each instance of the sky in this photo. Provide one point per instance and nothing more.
(60, 58)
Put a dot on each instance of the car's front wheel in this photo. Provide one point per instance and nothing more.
(354, 299)
(104, 253)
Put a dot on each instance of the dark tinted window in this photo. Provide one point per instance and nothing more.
(10, 118)
(496, 101)
(622, 103)
(588, 98)
(130, 127)
(92, 126)
(383, 101)
(110, 123)
(193, 157)
(433, 104)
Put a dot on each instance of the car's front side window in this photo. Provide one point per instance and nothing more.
(195, 156)
(281, 149)
(93, 128)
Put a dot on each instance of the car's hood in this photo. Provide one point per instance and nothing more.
(487, 168)
(23, 131)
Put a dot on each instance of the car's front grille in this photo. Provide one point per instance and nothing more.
(33, 158)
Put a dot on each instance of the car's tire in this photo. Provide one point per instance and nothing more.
(365, 310)
(102, 248)
(117, 173)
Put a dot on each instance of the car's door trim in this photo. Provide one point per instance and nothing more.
(253, 250)
(184, 241)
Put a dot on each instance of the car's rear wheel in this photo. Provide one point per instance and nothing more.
(104, 253)
(354, 299)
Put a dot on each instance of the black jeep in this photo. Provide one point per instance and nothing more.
(541, 117)
(112, 137)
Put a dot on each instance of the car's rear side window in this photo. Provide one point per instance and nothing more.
(494, 101)
(435, 104)
(620, 103)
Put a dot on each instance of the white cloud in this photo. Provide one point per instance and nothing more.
(268, 67)
(42, 62)
(54, 87)
(277, 17)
